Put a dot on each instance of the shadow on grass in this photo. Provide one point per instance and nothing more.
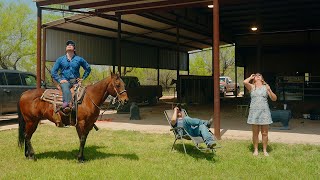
(195, 153)
(90, 153)
(260, 148)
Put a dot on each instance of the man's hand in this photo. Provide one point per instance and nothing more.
(63, 81)
(79, 80)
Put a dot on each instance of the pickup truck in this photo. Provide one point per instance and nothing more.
(226, 85)
(141, 93)
(12, 84)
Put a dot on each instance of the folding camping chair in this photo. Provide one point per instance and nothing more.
(180, 133)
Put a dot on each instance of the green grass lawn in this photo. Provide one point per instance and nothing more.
(134, 155)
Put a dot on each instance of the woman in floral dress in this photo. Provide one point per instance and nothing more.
(259, 113)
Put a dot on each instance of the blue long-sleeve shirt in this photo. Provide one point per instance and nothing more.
(70, 69)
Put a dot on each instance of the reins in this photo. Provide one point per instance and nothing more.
(117, 97)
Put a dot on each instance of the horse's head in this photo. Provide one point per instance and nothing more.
(117, 89)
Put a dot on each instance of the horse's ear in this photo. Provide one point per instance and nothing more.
(118, 75)
(112, 74)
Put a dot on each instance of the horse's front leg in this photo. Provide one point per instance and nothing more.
(83, 139)
(82, 134)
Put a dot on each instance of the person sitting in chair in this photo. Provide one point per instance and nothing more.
(194, 126)
(69, 66)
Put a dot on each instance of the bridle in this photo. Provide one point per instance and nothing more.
(117, 98)
(119, 93)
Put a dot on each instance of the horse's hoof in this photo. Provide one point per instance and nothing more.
(81, 159)
(32, 158)
(59, 124)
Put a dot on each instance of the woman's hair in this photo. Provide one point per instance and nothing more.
(262, 79)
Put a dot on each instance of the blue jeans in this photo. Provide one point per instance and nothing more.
(197, 127)
(65, 87)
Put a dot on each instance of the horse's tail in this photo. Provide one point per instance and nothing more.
(22, 127)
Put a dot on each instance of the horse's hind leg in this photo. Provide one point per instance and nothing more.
(31, 127)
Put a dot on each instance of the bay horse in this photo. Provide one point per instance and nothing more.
(31, 109)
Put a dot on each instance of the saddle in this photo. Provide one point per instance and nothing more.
(54, 96)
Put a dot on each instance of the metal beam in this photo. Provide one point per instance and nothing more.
(172, 23)
(101, 3)
(119, 30)
(178, 54)
(186, 18)
(75, 11)
(152, 5)
(163, 31)
(130, 33)
(39, 22)
(158, 66)
(161, 8)
(44, 48)
(52, 2)
(216, 69)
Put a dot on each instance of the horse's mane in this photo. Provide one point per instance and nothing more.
(96, 83)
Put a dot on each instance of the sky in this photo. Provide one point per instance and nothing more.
(29, 2)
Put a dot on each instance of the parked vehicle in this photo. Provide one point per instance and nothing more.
(226, 85)
(141, 93)
(12, 84)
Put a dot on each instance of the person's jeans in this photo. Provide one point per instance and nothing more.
(198, 127)
(65, 87)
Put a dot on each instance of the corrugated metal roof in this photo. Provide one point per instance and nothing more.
(135, 28)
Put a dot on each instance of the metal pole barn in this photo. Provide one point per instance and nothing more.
(178, 59)
(39, 21)
(216, 69)
(119, 44)
(44, 49)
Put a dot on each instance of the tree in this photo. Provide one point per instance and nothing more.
(227, 60)
(126, 70)
(17, 37)
(201, 62)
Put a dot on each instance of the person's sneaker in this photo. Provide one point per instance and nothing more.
(210, 121)
(67, 110)
(212, 145)
(64, 105)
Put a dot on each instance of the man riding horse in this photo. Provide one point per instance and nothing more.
(69, 66)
